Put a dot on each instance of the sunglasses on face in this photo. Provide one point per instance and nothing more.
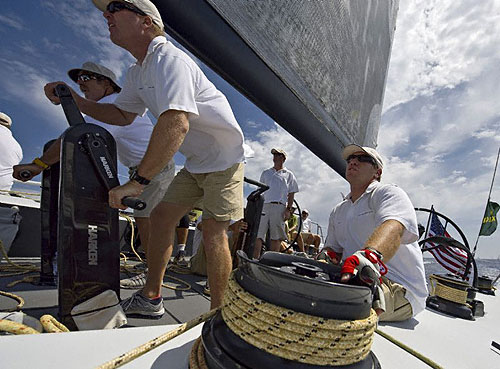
(116, 6)
(362, 159)
(86, 77)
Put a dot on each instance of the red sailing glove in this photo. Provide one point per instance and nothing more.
(367, 265)
(335, 259)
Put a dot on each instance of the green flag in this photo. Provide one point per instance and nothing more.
(490, 219)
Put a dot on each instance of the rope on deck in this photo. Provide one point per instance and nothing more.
(152, 344)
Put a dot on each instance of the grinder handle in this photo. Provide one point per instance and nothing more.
(134, 203)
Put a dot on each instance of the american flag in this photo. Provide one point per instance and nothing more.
(451, 258)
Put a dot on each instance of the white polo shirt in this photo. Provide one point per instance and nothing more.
(132, 140)
(10, 154)
(281, 183)
(306, 225)
(169, 79)
(351, 224)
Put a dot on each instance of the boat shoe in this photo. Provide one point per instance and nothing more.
(137, 304)
(137, 281)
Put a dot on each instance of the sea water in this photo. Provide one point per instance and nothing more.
(485, 267)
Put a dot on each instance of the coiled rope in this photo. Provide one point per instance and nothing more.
(439, 289)
(293, 335)
(49, 324)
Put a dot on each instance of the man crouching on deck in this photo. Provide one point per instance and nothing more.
(376, 225)
(193, 117)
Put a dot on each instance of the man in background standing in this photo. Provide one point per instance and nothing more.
(278, 202)
(10, 152)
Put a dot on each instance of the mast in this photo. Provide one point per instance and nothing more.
(487, 202)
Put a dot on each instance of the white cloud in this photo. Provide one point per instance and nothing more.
(439, 44)
(319, 185)
(23, 82)
(91, 26)
(12, 21)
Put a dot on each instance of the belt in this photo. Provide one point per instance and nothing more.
(276, 202)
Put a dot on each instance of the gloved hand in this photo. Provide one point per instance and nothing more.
(368, 267)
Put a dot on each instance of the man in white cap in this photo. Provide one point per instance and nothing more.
(278, 202)
(99, 83)
(193, 117)
(10, 152)
(376, 226)
(306, 237)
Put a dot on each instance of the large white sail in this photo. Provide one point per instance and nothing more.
(317, 67)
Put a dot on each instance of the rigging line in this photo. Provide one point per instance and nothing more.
(408, 349)
(487, 202)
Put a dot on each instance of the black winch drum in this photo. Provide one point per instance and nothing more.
(274, 279)
(295, 283)
(225, 350)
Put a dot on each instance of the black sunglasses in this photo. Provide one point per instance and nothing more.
(116, 6)
(85, 77)
(363, 158)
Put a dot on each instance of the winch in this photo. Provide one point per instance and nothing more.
(289, 311)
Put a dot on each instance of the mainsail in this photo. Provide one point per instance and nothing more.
(318, 68)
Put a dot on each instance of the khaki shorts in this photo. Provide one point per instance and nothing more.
(219, 194)
(154, 192)
(272, 219)
(397, 307)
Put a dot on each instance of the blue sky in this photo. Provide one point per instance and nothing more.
(440, 128)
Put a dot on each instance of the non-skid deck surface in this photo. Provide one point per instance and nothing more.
(451, 342)
(180, 306)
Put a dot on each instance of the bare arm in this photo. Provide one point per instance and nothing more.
(168, 135)
(165, 141)
(386, 238)
(107, 113)
(289, 205)
(49, 157)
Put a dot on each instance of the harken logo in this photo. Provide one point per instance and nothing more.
(106, 166)
(92, 244)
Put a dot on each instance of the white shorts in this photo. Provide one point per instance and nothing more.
(272, 219)
(153, 193)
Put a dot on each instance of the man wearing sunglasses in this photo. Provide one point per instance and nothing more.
(99, 83)
(376, 226)
(193, 117)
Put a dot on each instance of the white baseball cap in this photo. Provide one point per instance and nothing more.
(352, 148)
(278, 151)
(145, 5)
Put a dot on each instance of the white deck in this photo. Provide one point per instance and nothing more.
(450, 342)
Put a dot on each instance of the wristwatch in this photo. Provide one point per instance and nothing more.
(139, 179)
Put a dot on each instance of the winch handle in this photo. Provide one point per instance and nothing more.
(134, 203)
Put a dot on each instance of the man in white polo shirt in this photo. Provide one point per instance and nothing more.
(376, 225)
(99, 83)
(278, 202)
(10, 152)
(193, 117)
